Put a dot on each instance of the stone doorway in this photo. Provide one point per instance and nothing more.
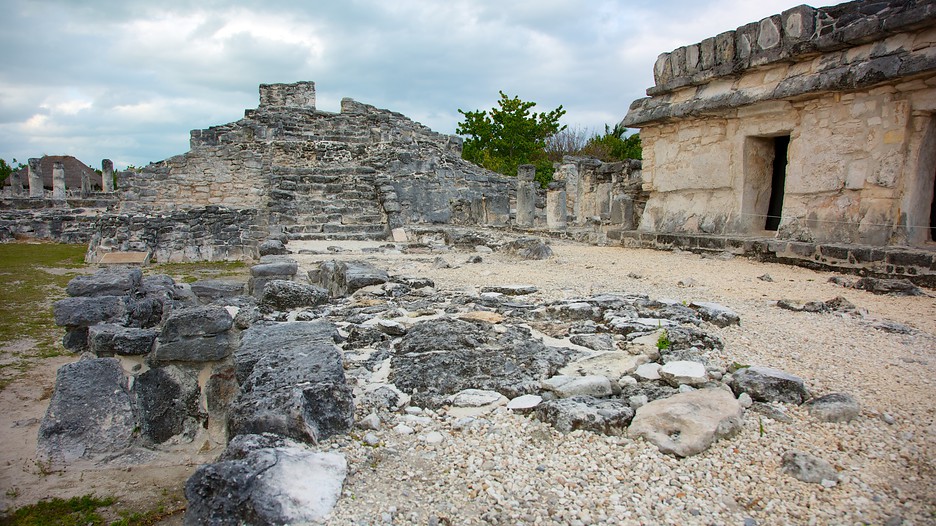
(781, 146)
(765, 165)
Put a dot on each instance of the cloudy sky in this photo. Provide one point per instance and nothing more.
(128, 79)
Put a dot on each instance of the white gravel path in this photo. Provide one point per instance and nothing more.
(511, 469)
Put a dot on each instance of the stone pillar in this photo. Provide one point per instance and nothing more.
(107, 175)
(622, 212)
(16, 185)
(568, 174)
(557, 215)
(526, 195)
(35, 178)
(603, 200)
(85, 184)
(58, 181)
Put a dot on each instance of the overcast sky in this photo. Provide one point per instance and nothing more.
(128, 79)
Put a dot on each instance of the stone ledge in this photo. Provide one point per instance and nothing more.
(917, 264)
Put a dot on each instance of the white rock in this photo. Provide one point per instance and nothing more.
(627, 380)
(566, 386)
(433, 437)
(524, 402)
(688, 423)
(476, 398)
(413, 410)
(681, 372)
(745, 400)
(371, 421)
(371, 439)
(648, 371)
(612, 364)
(403, 429)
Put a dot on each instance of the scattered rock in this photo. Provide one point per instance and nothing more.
(529, 248)
(210, 290)
(765, 277)
(281, 295)
(292, 382)
(611, 365)
(608, 417)
(834, 407)
(764, 384)
(272, 247)
(441, 357)
(895, 287)
(686, 424)
(107, 339)
(87, 311)
(524, 402)
(106, 282)
(597, 342)
(482, 316)
(371, 421)
(265, 480)
(342, 278)
(476, 398)
(511, 290)
(681, 372)
(91, 412)
(168, 398)
(195, 334)
(648, 371)
(567, 386)
(718, 315)
(807, 468)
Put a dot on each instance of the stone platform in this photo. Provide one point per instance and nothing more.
(917, 264)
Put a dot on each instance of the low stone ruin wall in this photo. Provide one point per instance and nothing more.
(49, 220)
(210, 233)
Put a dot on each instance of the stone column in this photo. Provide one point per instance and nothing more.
(85, 184)
(557, 215)
(526, 195)
(622, 212)
(107, 175)
(16, 185)
(58, 181)
(35, 178)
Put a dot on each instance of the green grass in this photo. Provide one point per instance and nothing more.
(28, 330)
(76, 511)
(191, 272)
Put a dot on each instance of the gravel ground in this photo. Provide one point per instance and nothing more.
(508, 468)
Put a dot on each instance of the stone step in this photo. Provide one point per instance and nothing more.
(339, 237)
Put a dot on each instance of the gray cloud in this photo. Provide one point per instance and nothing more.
(128, 79)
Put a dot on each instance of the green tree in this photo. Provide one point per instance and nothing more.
(5, 170)
(613, 145)
(510, 135)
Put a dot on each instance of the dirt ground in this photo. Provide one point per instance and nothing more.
(889, 373)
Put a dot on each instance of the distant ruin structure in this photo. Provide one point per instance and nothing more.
(358, 174)
(815, 125)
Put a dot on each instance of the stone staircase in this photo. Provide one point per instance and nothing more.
(338, 203)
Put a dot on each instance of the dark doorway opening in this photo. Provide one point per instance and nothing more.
(777, 180)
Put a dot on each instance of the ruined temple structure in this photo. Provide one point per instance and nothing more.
(357, 174)
(815, 123)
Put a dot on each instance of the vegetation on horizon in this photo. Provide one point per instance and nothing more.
(509, 135)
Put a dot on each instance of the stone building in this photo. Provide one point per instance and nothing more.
(815, 123)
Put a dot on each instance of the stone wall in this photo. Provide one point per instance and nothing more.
(852, 86)
(208, 233)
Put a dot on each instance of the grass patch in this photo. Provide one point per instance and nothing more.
(34, 275)
(76, 511)
(191, 272)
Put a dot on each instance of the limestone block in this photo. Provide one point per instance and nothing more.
(799, 24)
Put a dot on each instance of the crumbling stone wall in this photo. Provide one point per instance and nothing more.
(852, 86)
(602, 193)
(197, 234)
